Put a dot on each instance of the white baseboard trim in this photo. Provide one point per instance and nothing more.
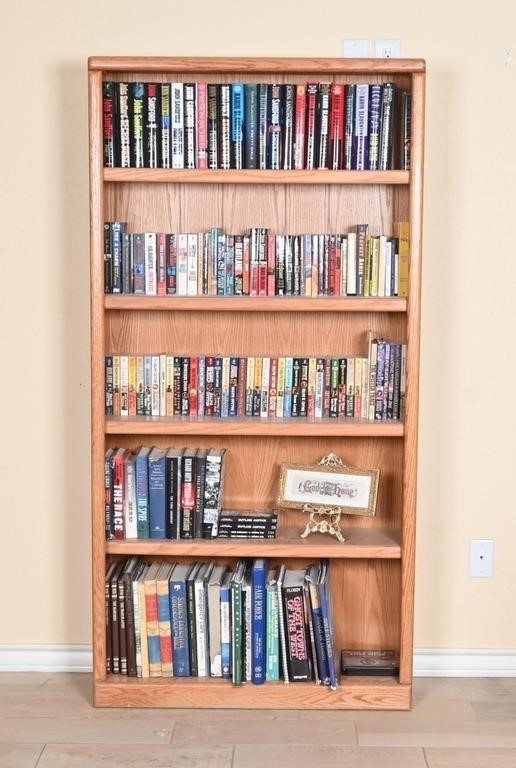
(428, 662)
(45, 658)
(442, 662)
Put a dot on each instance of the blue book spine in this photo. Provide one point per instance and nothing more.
(328, 634)
(272, 646)
(225, 629)
(221, 265)
(258, 622)
(287, 401)
(179, 617)
(157, 494)
(142, 496)
(320, 643)
(237, 123)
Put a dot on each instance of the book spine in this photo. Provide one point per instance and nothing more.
(189, 125)
(360, 143)
(109, 124)
(300, 127)
(385, 161)
(164, 627)
(237, 124)
(288, 123)
(153, 641)
(224, 126)
(349, 126)
(180, 640)
(336, 131)
(151, 126)
(166, 158)
(130, 524)
(213, 126)
(136, 105)
(322, 124)
(142, 497)
(236, 633)
(177, 125)
(186, 530)
(272, 641)
(124, 124)
(375, 96)
(295, 631)
(251, 125)
(258, 623)
(225, 630)
(201, 126)
(263, 91)
(157, 502)
(201, 618)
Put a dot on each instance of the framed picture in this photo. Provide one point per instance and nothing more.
(349, 489)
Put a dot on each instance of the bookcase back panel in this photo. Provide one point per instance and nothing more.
(266, 334)
(253, 468)
(317, 75)
(283, 209)
(366, 603)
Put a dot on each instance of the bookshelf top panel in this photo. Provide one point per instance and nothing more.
(207, 64)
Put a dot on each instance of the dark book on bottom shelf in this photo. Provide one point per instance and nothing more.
(296, 635)
(369, 662)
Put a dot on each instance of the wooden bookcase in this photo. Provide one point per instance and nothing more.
(373, 572)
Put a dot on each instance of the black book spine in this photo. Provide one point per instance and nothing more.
(251, 125)
(173, 489)
(322, 124)
(124, 132)
(375, 96)
(186, 530)
(311, 111)
(115, 633)
(177, 385)
(164, 113)
(127, 270)
(122, 625)
(296, 386)
(185, 386)
(296, 265)
(217, 386)
(275, 127)
(405, 130)
(200, 477)
(213, 126)
(303, 387)
(136, 113)
(295, 631)
(263, 90)
(189, 118)
(108, 495)
(386, 127)
(110, 125)
(192, 630)
(108, 259)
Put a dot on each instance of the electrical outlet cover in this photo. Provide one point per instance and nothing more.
(355, 49)
(387, 49)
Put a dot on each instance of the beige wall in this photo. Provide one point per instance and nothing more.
(467, 420)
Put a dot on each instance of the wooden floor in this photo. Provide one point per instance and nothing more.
(46, 720)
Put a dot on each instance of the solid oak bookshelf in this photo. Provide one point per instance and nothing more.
(372, 573)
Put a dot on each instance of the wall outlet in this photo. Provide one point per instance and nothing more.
(481, 558)
(387, 49)
(355, 49)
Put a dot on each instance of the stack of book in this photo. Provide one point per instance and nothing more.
(270, 388)
(248, 524)
(273, 126)
(162, 493)
(252, 623)
(256, 262)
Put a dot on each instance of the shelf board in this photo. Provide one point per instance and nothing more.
(185, 692)
(256, 304)
(185, 425)
(361, 543)
(252, 176)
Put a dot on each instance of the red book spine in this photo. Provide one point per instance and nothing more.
(201, 126)
(246, 259)
(299, 129)
(194, 385)
(161, 262)
(118, 495)
(336, 143)
(271, 265)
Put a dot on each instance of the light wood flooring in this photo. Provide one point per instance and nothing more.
(46, 720)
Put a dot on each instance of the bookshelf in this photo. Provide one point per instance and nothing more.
(372, 574)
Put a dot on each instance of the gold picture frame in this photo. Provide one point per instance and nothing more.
(330, 484)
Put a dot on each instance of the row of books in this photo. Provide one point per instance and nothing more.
(257, 125)
(161, 493)
(256, 263)
(370, 388)
(252, 623)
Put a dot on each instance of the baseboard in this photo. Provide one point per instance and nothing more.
(45, 658)
(428, 662)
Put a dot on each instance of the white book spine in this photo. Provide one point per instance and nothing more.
(352, 264)
(155, 385)
(130, 526)
(162, 385)
(382, 267)
(264, 395)
(182, 264)
(124, 385)
(191, 284)
(178, 126)
(200, 628)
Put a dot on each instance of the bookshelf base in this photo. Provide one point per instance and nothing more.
(356, 693)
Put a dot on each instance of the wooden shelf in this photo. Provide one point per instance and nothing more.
(353, 693)
(255, 304)
(380, 543)
(248, 176)
(172, 425)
